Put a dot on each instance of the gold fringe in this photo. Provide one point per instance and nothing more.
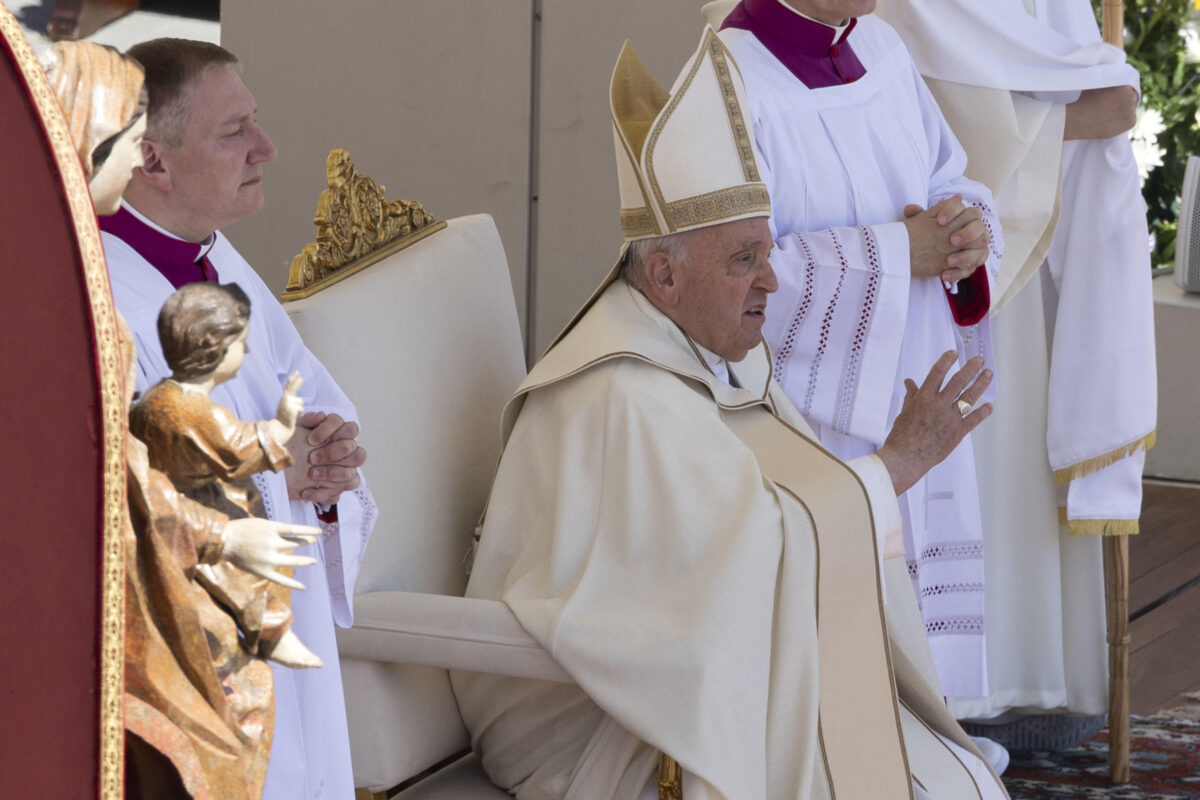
(1102, 527)
(1067, 474)
(1062, 516)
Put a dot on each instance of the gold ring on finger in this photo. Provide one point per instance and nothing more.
(964, 407)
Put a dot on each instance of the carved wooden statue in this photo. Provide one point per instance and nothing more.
(209, 454)
(104, 103)
(198, 704)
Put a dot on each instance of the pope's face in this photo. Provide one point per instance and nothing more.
(216, 171)
(109, 181)
(833, 12)
(723, 287)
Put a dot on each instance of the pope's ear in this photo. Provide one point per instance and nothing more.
(660, 276)
(153, 170)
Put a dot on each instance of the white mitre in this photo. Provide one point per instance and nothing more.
(685, 158)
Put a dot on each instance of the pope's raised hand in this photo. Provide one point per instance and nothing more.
(935, 417)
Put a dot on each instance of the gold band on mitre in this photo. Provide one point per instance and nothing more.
(685, 158)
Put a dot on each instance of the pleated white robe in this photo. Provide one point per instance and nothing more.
(1072, 326)
(849, 323)
(310, 753)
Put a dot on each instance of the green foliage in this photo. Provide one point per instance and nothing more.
(1155, 46)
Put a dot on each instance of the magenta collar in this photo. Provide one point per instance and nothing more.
(808, 49)
(179, 262)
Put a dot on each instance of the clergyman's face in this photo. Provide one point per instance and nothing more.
(833, 12)
(216, 171)
(723, 287)
(109, 181)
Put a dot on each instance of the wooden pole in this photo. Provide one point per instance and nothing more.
(1116, 579)
(1116, 559)
(1114, 23)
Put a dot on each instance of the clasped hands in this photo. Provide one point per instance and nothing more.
(325, 458)
(947, 240)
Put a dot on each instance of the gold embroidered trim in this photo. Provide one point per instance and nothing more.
(737, 125)
(652, 227)
(1067, 474)
(723, 204)
(356, 227)
(1102, 527)
(652, 140)
(638, 222)
(733, 109)
(104, 328)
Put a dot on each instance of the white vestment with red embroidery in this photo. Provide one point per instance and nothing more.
(849, 322)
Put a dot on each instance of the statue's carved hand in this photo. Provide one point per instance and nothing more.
(262, 546)
(290, 404)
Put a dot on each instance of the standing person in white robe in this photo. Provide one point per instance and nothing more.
(203, 156)
(658, 511)
(1041, 105)
(879, 244)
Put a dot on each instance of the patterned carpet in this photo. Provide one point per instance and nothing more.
(1164, 764)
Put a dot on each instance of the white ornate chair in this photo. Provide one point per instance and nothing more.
(428, 345)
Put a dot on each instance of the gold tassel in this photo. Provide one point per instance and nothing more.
(1102, 527)
(1067, 474)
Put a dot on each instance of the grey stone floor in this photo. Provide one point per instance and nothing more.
(188, 20)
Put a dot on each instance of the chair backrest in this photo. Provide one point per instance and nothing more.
(428, 346)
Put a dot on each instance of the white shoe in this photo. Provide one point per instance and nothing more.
(994, 752)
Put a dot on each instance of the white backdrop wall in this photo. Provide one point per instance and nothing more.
(468, 106)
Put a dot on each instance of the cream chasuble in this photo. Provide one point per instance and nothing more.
(1074, 341)
(849, 323)
(707, 574)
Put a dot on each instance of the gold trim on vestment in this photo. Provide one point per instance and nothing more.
(637, 223)
(705, 209)
(112, 408)
(943, 746)
(733, 109)
(1087, 467)
(889, 776)
(356, 227)
(1103, 527)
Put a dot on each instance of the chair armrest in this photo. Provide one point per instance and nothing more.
(444, 631)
